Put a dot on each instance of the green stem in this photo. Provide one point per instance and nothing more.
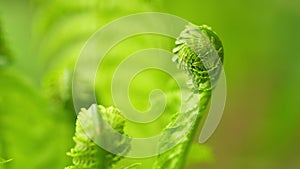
(204, 101)
(174, 158)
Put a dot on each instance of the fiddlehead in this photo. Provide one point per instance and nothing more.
(193, 49)
(194, 52)
(87, 154)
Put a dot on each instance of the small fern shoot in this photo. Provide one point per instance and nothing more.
(193, 53)
(87, 154)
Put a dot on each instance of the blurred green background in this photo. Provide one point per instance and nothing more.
(260, 126)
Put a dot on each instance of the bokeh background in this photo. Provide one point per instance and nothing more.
(41, 40)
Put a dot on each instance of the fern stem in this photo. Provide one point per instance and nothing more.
(204, 101)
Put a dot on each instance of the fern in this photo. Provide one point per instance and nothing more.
(191, 44)
(87, 154)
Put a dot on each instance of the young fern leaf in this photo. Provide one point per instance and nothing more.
(87, 154)
(193, 48)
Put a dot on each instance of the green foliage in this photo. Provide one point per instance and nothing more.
(31, 127)
(263, 66)
(59, 43)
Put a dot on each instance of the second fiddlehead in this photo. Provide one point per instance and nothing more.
(87, 154)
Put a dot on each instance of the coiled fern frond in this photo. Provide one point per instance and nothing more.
(194, 53)
(87, 154)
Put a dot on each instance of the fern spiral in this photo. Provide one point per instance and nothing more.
(194, 51)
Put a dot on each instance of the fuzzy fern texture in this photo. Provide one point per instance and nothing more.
(87, 154)
(194, 46)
